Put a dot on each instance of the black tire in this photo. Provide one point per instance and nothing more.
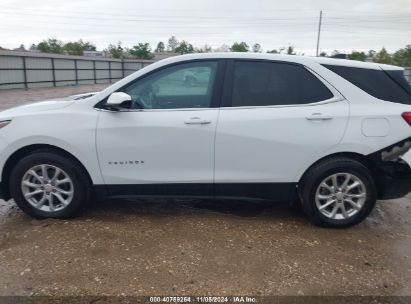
(314, 176)
(71, 167)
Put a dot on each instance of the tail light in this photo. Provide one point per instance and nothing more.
(407, 117)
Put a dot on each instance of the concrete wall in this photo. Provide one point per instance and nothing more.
(33, 70)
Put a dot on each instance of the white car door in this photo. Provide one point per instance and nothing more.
(276, 119)
(164, 138)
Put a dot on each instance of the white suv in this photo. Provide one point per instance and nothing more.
(327, 133)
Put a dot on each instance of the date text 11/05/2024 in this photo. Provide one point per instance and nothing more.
(205, 299)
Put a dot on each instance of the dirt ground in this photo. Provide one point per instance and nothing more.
(12, 98)
(187, 247)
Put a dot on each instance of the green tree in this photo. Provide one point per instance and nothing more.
(275, 51)
(116, 51)
(290, 50)
(239, 47)
(51, 45)
(402, 57)
(359, 56)
(184, 48)
(33, 47)
(141, 51)
(323, 54)
(160, 47)
(78, 47)
(73, 48)
(257, 48)
(223, 48)
(172, 43)
(88, 46)
(371, 54)
(383, 57)
(204, 49)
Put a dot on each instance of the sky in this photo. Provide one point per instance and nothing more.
(347, 24)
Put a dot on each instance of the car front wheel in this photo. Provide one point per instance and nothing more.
(49, 185)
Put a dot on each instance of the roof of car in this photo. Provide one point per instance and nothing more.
(288, 58)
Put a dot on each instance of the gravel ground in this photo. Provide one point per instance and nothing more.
(11, 98)
(167, 247)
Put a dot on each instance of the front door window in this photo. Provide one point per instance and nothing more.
(188, 85)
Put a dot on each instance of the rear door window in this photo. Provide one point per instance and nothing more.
(259, 83)
(385, 85)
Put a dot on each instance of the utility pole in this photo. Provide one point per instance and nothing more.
(319, 32)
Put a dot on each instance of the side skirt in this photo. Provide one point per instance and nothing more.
(280, 192)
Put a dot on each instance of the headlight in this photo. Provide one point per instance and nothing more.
(4, 123)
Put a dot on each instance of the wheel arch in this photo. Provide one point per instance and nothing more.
(22, 152)
(363, 159)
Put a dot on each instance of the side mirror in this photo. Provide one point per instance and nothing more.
(117, 98)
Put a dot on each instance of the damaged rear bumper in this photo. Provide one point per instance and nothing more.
(393, 174)
(393, 179)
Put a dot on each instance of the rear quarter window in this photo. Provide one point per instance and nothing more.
(385, 85)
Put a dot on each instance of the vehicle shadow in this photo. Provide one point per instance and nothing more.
(163, 207)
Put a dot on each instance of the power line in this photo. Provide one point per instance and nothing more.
(207, 25)
(113, 23)
(201, 30)
(95, 28)
(81, 9)
(140, 17)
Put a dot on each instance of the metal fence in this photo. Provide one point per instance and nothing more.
(34, 70)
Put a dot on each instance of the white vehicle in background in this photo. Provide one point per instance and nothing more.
(327, 132)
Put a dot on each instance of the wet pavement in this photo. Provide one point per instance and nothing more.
(196, 247)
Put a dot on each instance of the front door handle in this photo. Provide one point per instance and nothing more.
(197, 121)
(319, 116)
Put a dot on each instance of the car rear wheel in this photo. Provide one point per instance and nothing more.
(49, 185)
(338, 192)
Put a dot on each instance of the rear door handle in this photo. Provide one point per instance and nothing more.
(197, 121)
(319, 116)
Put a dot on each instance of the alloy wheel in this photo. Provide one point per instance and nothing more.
(47, 188)
(340, 196)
